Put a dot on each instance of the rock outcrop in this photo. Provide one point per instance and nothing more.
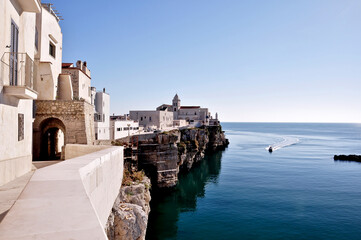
(129, 216)
(163, 155)
(354, 158)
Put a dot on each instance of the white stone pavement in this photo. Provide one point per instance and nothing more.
(68, 200)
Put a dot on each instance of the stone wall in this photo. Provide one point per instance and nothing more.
(74, 118)
(74, 73)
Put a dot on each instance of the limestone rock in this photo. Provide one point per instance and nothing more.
(129, 216)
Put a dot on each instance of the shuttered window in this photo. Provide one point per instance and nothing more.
(14, 54)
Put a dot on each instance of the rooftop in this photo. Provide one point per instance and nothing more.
(49, 7)
(67, 65)
(189, 107)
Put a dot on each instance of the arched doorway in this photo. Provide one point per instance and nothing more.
(52, 139)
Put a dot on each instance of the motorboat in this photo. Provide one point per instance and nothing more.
(270, 149)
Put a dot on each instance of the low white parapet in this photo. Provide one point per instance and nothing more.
(68, 200)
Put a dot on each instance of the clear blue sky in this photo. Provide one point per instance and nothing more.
(272, 61)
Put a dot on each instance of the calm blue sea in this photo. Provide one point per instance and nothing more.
(296, 192)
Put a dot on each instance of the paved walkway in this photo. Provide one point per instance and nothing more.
(10, 192)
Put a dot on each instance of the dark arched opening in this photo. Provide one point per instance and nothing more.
(52, 139)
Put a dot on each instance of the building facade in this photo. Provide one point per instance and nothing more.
(101, 115)
(17, 52)
(194, 115)
(80, 79)
(123, 128)
(63, 112)
(153, 119)
(49, 44)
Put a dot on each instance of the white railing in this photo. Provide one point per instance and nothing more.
(17, 69)
(48, 7)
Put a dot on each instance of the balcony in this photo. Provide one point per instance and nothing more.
(30, 5)
(17, 75)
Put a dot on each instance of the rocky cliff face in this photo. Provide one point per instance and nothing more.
(129, 216)
(163, 155)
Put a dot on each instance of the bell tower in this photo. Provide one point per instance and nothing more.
(176, 106)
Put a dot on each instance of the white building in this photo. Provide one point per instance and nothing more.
(80, 80)
(49, 43)
(17, 52)
(121, 128)
(192, 114)
(101, 116)
(153, 119)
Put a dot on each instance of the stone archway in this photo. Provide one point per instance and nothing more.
(52, 138)
(75, 119)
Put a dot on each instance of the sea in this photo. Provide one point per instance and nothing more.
(296, 192)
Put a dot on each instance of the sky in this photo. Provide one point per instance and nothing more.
(249, 61)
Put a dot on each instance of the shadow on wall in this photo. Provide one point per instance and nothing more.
(166, 207)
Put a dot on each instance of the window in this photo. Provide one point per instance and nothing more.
(150, 119)
(195, 113)
(14, 55)
(20, 126)
(141, 118)
(175, 109)
(119, 129)
(52, 49)
(36, 39)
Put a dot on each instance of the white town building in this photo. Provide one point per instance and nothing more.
(153, 119)
(101, 115)
(122, 127)
(192, 114)
(17, 92)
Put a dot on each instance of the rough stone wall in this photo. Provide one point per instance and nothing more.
(76, 117)
(129, 216)
(158, 156)
(74, 73)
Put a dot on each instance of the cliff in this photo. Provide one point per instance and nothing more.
(163, 155)
(129, 216)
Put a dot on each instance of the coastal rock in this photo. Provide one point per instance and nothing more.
(127, 221)
(129, 216)
(354, 158)
(163, 155)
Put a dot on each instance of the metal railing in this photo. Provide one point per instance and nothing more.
(17, 69)
(52, 10)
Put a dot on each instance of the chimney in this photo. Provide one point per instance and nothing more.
(103, 90)
(79, 64)
(84, 67)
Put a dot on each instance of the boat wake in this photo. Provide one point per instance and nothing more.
(287, 141)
